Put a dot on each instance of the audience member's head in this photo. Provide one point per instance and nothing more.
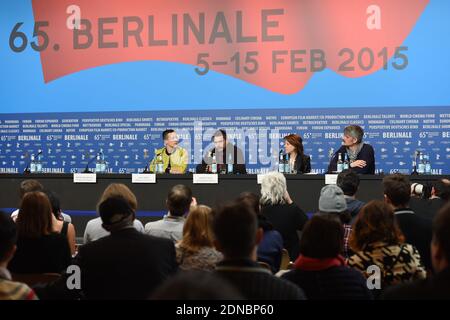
(121, 190)
(35, 216)
(116, 213)
(332, 201)
(322, 237)
(348, 181)
(440, 246)
(197, 230)
(252, 199)
(236, 231)
(375, 223)
(30, 185)
(196, 285)
(55, 203)
(179, 200)
(441, 189)
(397, 190)
(273, 189)
(8, 237)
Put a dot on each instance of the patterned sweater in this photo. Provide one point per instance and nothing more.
(10, 290)
(398, 263)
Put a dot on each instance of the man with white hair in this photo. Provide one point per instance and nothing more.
(286, 217)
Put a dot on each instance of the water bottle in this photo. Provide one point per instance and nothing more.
(230, 168)
(281, 162)
(214, 164)
(340, 163)
(427, 164)
(346, 162)
(159, 163)
(38, 162)
(98, 164)
(287, 164)
(32, 164)
(421, 165)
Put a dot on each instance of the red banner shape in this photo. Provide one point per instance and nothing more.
(266, 43)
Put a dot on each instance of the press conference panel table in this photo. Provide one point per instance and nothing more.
(80, 200)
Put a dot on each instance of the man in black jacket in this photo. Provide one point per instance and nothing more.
(361, 155)
(225, 154)
(417, 230)
(437, 286)
(237, 235)
(124, 265)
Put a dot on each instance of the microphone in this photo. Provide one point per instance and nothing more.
(86, 170)
(27, 169)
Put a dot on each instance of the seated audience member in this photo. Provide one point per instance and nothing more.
(237, 235)
(271, 246)
(286, 217)
(428, 207)
(94, 229)
(332, 201)
(377, 240)
(10, 290)
(127, 264)
(61, 226)
(31, 185)
(178, 202)
(348, 181)
(39, 248)
(196, 249)
(436, 287)
(320, 269)
(360, 155)
(417, 230)
(196, 285)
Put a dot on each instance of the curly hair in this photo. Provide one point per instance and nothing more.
(273, 189)
(375, 223)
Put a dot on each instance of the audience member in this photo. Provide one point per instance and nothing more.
(348, 181)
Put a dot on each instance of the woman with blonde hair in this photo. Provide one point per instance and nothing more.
(286, 217)
(94, 229)
(195, 251)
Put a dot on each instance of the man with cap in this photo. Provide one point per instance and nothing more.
(332, 201)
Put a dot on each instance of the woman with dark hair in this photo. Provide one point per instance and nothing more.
(39, 248)
(299, 162)
(60, 225)
(377, 240)
(271, 246)
(320, 270)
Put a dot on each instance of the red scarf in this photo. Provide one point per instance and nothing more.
(314, 264)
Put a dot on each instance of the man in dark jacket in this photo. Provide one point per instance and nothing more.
(417, 230)
(226, 155)
(237, 235)
(361, 155)
(437, 286)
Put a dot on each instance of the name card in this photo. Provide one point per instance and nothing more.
(84, 178)
(143, 178)
(330, 178)
(259, 178)
(205, 178)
